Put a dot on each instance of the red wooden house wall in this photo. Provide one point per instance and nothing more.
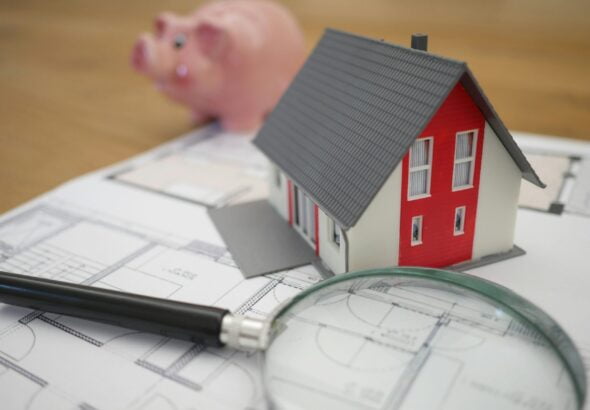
(440, 247)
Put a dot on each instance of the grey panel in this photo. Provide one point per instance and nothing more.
(259, 239)
(352, 113)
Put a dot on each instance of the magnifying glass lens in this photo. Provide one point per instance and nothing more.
(404, 342)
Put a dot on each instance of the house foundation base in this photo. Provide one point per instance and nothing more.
(486, 260)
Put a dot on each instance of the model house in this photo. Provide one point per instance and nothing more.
(386, 155)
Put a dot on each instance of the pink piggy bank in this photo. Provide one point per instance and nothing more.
(230, 59)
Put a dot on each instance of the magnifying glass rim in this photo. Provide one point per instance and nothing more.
(517, 305)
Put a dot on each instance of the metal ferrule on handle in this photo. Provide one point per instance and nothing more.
(244, 333)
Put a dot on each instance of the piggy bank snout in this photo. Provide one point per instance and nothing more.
(222, 63)
(140, 54)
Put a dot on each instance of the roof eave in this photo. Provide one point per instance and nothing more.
(476, 92)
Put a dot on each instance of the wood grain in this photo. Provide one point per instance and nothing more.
(70, 103)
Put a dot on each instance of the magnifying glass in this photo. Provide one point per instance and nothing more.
(399, 338)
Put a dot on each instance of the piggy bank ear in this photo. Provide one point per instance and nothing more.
(212, 40)
(163, 22)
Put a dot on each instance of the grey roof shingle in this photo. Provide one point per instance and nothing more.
(353, 111)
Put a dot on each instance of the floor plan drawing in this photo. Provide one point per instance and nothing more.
(565, 167)
(385, 346)
(142, 226)
(212, 169)
(71, 363)
(565, 177)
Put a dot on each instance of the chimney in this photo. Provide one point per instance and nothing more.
(420, 41)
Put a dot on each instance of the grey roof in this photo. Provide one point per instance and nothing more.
(352, 113)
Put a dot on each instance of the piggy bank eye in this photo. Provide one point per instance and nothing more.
(179, 40)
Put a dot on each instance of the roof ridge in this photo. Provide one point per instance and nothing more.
(498, 126)
(324, 130)
(409, 50)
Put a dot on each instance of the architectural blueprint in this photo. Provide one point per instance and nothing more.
(52, 361)
(142, 226)
(566, 166)
(403, 344)
(212, 168)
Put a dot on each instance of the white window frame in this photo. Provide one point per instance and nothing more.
(421, 168)
(420, 220)
(334, 230)
(304, 218)
(461, 230)
(471, 159)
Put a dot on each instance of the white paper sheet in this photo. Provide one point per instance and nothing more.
(155, 239)
(100, 232)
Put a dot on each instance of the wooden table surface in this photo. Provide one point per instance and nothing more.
(70, 103)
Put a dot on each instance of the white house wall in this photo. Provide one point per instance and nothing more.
(278, 196)
(499, 188)
(374, 241)
(332, 255)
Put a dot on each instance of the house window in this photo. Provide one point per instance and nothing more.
(296, 205)
(420, 167)
(459, 228)
(465, 143)
(310, 210)
(304, 214)
(416, 230)
(277, 177)
(335, 232)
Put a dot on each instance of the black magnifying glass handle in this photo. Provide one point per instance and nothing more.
(208, 325)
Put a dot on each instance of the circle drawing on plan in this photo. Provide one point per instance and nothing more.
(283, 292)
(358, 344)
(359, 354)
(391, 319)
(456, 338)
(410, 315)
(331, 298)
(234, 371)
(17, 341)
(388, 315)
